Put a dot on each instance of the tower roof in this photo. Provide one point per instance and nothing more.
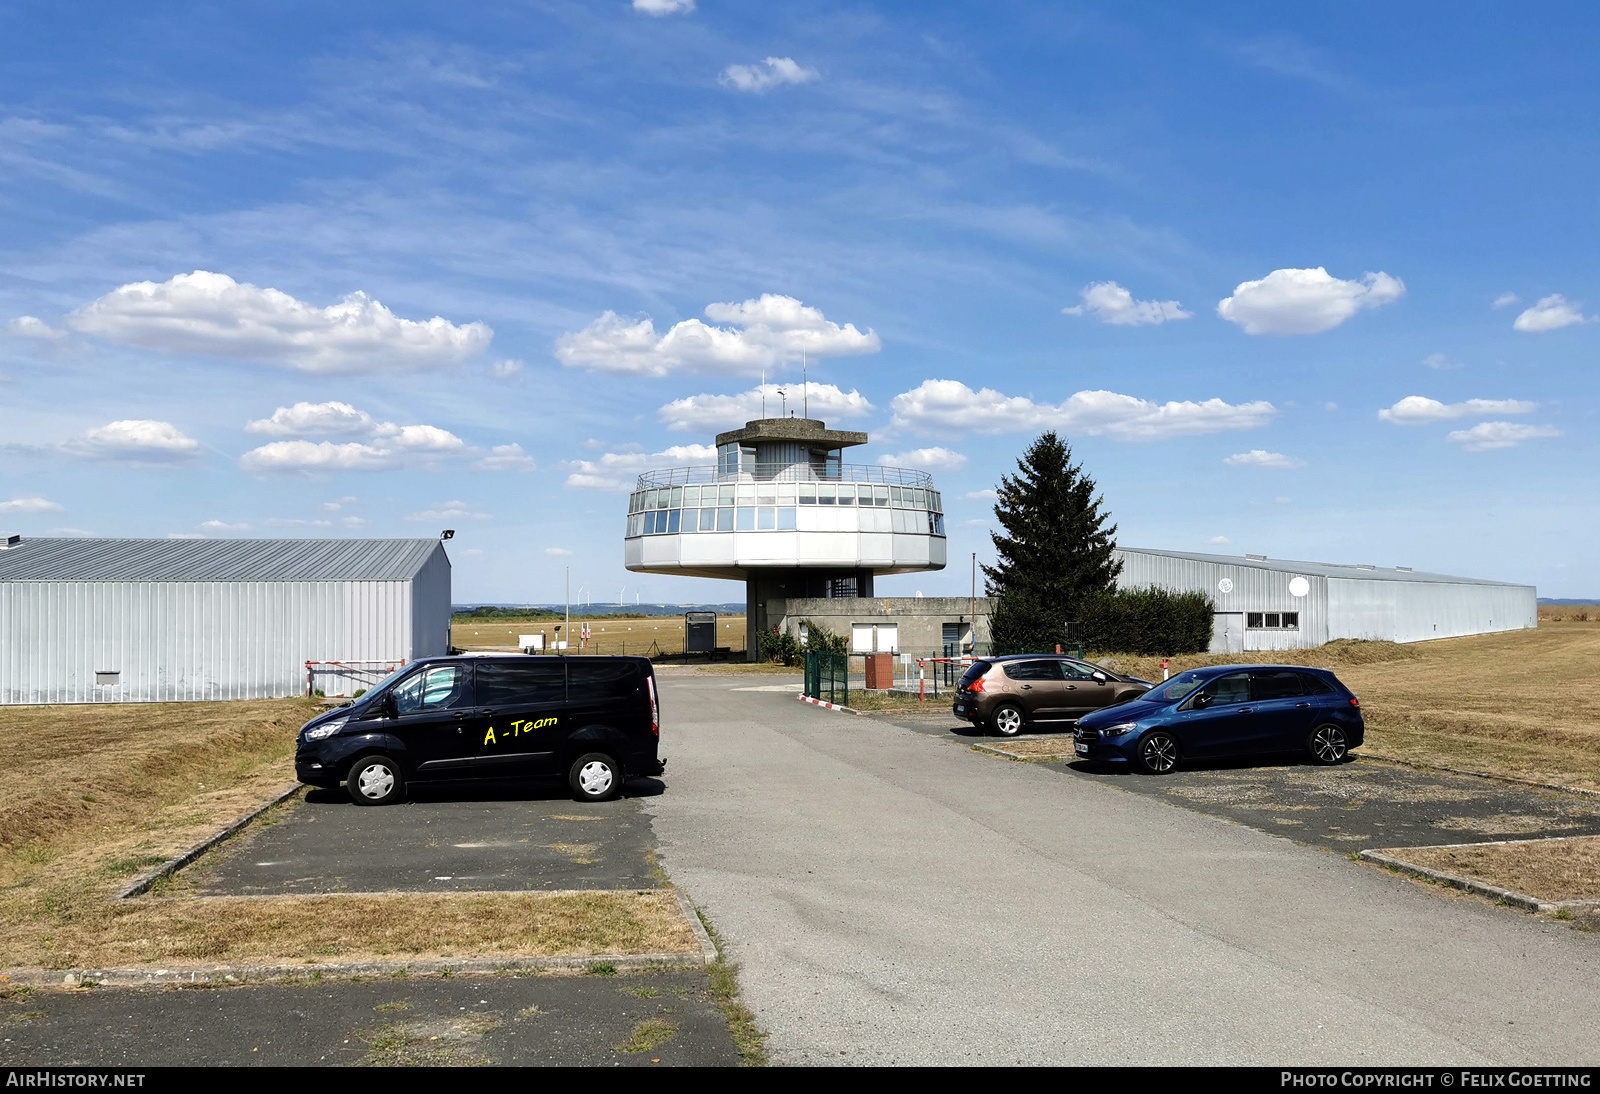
(804, 430)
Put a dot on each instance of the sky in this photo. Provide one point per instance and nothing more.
(1309, 281)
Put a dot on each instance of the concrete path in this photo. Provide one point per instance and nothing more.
(896, 898)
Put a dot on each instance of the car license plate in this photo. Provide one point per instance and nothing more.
(960, 709)
(1081, 747)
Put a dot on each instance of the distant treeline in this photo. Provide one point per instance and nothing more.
(485, 612)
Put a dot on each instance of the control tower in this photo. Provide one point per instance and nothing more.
(783, 513)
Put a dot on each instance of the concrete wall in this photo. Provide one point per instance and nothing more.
(195, 640)
(919, 619)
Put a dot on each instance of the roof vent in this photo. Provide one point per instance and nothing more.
(1365, 566)
(1256, 558)
(9, 540)
(1404, 569)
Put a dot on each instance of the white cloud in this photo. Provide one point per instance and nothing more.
(30, 505)
(1219, 541)
(1486, 436)
(1305, 301)
(335, 506)
(286, 456)
(663, 7)
(1440, 361)
(983, 495)
(1111, 303)
(505, 370)
(763, 333)
(449, 510)
(1505, 300)
(507, 457)
(1551, 313)
(617, 471)
(134, 440)
(222, 526)
(27, 326)
(557, 552)
(952, 405)
(778, 71)
(1419, 410)
(1260, 457)
(928, 458)
(714, 413)
(317, 419)
(297, 522)
(211, 314)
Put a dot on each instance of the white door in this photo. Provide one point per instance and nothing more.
(1227, 632)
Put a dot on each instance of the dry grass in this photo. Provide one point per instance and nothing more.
(1551, 869)
(96, 795)
(1568, 613)
(1035, 749)
(1513, 704)
(630, 636)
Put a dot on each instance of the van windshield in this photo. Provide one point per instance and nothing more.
(1176, 689)
(377, 689)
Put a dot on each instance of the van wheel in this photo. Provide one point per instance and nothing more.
(1007, 720)
(594, 777)
(375, 780)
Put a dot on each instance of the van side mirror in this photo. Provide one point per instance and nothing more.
(390, 708)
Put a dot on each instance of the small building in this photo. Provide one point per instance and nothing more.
(921, 626)
(169, 620)
(1278, 604)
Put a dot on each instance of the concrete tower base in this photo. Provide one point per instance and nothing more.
(766, 590)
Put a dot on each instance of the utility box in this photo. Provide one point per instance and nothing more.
(880, 671)
(699, 632)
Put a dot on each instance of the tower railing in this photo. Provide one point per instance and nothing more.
(787, 472)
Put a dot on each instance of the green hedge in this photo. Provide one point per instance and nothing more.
(1147, 621)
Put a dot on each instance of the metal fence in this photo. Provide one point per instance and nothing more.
(828, 677)
(786, 472)
(344, 679)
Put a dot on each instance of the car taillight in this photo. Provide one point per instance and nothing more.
(655, 707)
(976, 685)
(1354, 701)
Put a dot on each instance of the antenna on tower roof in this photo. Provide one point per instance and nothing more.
(805, 386)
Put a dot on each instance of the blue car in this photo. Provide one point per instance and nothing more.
(1226, 710)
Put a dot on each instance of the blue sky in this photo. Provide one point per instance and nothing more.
(1311, 282)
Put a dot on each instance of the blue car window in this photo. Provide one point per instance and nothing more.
(1226, 690)
(1276, 685)
(1177, 688)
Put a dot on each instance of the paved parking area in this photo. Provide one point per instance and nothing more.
(564, 1021)
(1361, 804)
(462, 838)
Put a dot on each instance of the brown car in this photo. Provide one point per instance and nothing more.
(1006, 693)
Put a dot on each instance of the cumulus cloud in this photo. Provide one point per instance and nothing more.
(31, 327)
(1419, 410)
(663, 7)
(1440, 361)
(1111, 303)
(507, 457)
(557, 552)
(617, 471)
(1551, 313)
(952, 405)
(30, 505)
(713, 413)
(763, 333)
(1260, 457)
(222, 526)
(777, 72)
(928, 458)
(292, 456)
(505, 370)
(1219, 541)
(983, 495)
(1505, 300)
(449, 510)
(1305, 301)
(134, 440)
(317, 419)
(211, 314)
(1491, 435)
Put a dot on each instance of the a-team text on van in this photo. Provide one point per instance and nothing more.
(594, 720)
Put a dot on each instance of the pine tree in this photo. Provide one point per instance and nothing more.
(1055, 553)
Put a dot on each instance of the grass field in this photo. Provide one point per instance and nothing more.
(97, 795)
(648, 635)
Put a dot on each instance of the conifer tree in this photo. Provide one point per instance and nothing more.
(1055, 553)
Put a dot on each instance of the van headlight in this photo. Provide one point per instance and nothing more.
(326, 729)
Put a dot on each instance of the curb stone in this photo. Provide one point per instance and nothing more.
(1480, 888)
(828, 706)
(184, 858)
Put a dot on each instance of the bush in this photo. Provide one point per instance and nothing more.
(823, 640)
(1147, 621)
(778, 646)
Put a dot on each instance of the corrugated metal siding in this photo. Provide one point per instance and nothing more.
(217, 559)
(1254, 590)
(430, 609)
(191, 640)
(1401, 612)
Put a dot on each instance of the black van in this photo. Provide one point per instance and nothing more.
(595, 720)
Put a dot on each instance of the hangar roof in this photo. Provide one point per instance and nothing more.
(1347, 571)
(215, 559)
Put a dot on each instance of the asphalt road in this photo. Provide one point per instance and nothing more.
(894, 897)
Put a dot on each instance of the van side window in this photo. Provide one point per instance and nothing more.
(602, 679)
(444, 687)
(504, 681)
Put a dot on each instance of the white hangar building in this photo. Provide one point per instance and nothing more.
(1277, 604)
(168, 620)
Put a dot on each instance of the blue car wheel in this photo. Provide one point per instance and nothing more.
(1158, 753)
(1328, 745)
